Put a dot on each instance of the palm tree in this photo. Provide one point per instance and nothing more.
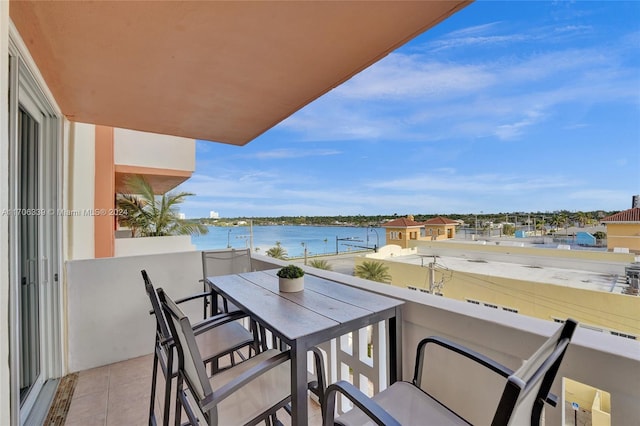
(277, 252)
(560, 221)
(583, 218)
(374, 271)
(148, 215)
(320, 264)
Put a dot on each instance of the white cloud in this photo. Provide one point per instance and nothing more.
(402, 76)
(512, 131)
(417, 96)
(444, 103)
(291, 153)
(477, 183)
(595, 199)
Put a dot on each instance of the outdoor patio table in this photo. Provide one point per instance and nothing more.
(324, 310)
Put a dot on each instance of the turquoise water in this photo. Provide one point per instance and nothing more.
(318, 239)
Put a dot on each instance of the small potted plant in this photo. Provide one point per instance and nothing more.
(291, 279)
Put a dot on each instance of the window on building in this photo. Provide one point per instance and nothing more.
(628, 336)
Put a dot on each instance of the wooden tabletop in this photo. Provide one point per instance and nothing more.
(323, 304)
(324, 310)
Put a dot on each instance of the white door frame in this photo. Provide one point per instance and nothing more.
(25, 91)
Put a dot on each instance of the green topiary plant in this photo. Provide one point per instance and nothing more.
(291, 272)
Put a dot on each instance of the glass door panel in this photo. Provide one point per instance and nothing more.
(28, 253)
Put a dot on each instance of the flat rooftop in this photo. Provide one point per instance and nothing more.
(522, 268)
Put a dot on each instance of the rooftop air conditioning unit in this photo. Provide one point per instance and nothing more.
(632, 271)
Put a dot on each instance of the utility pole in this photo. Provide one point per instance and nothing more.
(305, 253)
(432, 275)
(251, 235)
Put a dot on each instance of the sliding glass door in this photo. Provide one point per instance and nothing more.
(34, 229)
(29, 128)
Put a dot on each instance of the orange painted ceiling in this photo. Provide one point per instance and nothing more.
(221, 71)
(160, 182)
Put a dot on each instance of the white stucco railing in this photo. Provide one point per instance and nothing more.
(125, 247)
(108, 321)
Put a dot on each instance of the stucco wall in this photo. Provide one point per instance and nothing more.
(623, 235)
(404, 241)
(81, 169)
(108, 313)
(591, 399)
(153, 150)
(434, 232)
(152, 245)
(546, 301)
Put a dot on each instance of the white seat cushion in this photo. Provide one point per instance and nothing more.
(261, 393)
(408, 405)
(219, 340)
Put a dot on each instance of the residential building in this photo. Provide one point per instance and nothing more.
(440, 228)
(76, 71)
(550, 284)
(404, 230)
(400, 231)
(623, 230)
(524, 281)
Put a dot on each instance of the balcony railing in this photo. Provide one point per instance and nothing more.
(108, 321)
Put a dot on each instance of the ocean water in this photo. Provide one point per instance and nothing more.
(317, 239)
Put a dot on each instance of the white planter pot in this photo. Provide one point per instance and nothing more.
(291, 285)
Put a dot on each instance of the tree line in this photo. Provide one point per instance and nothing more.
(559, 219)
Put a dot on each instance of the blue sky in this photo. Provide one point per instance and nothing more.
(505, 106)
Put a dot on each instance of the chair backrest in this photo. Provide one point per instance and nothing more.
(190, 362)
(527, 388)
(162, 329)
(225, 262)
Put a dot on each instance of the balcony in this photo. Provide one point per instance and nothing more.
(165, 161)
(108, 323)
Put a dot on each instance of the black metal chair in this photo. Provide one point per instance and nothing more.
(237, 261)
(452, 402)
(245, 394)
(217, 337)
(223, 262)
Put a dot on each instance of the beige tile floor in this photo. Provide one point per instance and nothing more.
(118, 394)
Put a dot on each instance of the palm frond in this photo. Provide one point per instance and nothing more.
(150, 215)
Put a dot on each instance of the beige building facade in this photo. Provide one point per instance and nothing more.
(525, 281)
(440, 228)
(623, 230)
(403, 231)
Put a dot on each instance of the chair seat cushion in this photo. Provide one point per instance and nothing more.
(261, 393)
(407, 404)
(222, 340)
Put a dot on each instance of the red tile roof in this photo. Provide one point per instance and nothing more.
(440, 221)
(402, 222)
(631, 215)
